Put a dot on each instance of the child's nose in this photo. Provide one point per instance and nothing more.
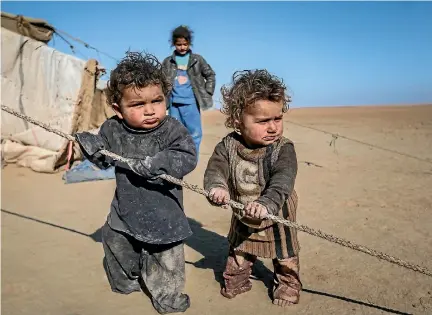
(148, 110)
(272, 126)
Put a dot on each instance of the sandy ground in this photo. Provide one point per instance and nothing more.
(51, 250)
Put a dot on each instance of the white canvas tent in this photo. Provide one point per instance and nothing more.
(50, 86)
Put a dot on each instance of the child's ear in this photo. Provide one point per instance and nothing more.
(117, 111)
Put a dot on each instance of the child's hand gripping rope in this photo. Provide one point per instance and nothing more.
(221, 197)
(93, 145)
(256, 210)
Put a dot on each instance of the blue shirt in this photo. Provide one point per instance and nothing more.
(182, 92)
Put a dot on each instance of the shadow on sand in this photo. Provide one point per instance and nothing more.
(214, 248)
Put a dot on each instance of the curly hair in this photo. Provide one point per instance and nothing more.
(136, 70)
(249, 86)
(182, 31)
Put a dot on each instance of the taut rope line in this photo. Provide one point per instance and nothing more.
(335, 136)
(240, 207)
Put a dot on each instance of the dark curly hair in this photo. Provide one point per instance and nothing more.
(136, 70)
(182, 31)
(249, 86)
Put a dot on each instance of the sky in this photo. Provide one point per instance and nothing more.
(327, 53)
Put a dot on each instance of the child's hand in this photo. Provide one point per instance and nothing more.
(219, 196)
(256, 210)
(89, 143)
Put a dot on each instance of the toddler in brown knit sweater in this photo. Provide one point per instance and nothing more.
(257, 166)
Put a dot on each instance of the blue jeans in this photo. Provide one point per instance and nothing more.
(190, 117)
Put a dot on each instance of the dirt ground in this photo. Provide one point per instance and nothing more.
(51, 250)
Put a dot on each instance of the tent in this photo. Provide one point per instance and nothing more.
(50, 86)
(36, 29)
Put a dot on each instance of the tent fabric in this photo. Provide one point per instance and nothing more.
(91, 109)
(49, 86)
(36, 29)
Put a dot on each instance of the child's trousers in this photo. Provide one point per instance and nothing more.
(190, 117)
(161, 267)
(286, 278)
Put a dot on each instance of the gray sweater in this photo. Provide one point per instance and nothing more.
(148, 209)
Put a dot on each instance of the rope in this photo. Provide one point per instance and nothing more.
(59, 32)
(240, 207)
(335, 136)
(37, 123)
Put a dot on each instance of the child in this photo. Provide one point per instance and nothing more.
(193, 83)
(144, 232)
(257, 166)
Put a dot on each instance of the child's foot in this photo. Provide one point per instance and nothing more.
(287, 282)
(283, 303)
(285, 295)
(232, 293)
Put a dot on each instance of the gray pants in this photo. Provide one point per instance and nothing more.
(160, 267)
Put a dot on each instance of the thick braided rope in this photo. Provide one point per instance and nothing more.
(37, 123)
(238, 207)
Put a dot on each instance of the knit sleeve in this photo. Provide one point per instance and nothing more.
(282, 179)
(217, 172)
(90, 144)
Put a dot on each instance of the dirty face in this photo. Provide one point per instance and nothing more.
(142, 108)
(181, 46)
(261, 124)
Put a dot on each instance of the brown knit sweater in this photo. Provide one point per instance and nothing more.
(266, 175)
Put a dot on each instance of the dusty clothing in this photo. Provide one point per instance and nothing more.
(287, 281)
(285, 276)
(201, 75)
(273, 241)
(265, 175)
(161, 267)
(143, 235)
(236, 276)
(148, 209)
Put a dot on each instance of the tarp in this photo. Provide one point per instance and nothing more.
(86, 171)
(36, 29)
(49, 86)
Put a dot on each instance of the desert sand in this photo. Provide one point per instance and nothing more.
(52, 255)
